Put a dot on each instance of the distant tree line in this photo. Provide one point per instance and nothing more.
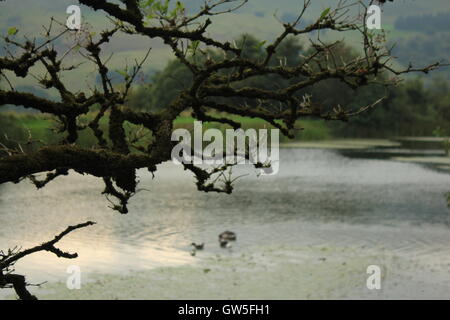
(413, 108)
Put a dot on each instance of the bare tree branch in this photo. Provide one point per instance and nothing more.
(8, 259)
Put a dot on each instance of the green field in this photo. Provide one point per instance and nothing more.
(43, 128)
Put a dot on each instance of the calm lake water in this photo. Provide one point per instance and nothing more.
(318, 197)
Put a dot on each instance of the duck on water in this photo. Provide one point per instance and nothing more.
(225, 238)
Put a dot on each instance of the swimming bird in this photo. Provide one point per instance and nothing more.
(227, 236)
(199, 246)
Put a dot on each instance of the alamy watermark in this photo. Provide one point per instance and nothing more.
(73, 22)
(74, 279)
(239, 146)
(373, 20)
(374, 280)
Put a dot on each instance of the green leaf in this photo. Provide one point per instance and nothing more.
(193, 46)
(324, 13)
(261, 44)
(147, 3)
(13, 31)
(122, 73)
(180, 6)
(178, 10)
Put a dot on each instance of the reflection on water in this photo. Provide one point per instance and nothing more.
(318, 197)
